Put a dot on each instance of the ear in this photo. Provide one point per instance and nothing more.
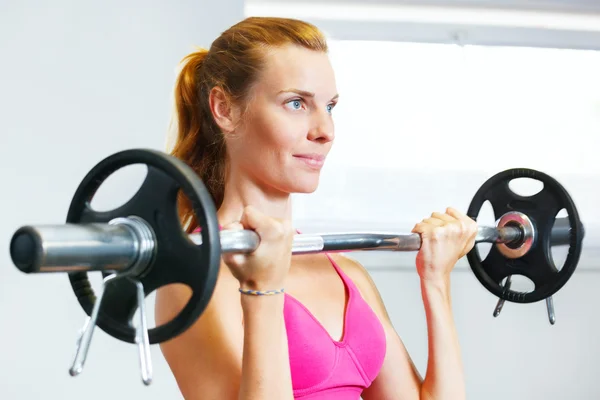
(222, 109)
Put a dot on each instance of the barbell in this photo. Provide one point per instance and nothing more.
(141, 246)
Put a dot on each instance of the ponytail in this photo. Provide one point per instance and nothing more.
(199, 143)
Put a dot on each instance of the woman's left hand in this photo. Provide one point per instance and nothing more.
(445, 238)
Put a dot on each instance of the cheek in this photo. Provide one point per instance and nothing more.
(277, 134)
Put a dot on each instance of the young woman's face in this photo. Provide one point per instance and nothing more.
(287, 130)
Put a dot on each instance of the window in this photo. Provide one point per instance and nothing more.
(468, 108)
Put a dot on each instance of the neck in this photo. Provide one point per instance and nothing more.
(241, 192)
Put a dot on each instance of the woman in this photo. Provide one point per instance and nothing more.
(254, 118)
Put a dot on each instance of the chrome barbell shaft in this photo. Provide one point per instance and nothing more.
(247, 241)
(116, 247)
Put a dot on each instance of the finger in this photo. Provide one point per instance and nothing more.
(252, 218)
(434, 221)
(237, 259)
(233, 226)
(419, 228)
(453, 212)
(443, 216)
(423, 228)
(265, 226)
(468, 224)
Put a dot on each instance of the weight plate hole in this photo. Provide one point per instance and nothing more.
(485, 218)
(119, 187)
(185, 213)
(559, 253)
(526, 187)
(520, 283)
(562, 213)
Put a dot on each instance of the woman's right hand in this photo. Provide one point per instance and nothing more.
(266, 268)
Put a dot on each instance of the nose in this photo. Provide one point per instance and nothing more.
(322, 129)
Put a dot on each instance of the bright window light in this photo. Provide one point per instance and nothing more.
(483, 108)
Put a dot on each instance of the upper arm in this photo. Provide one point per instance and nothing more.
(206, 359)
(398, 377)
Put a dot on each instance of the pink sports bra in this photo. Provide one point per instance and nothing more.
(323, 368)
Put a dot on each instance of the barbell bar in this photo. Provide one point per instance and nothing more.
(120, 245)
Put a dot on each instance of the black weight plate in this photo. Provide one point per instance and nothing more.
(177, 259)
(537, 264)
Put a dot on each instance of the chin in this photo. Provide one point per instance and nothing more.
(306, 190)
(298, 181)
(308, 186)
(297, 184)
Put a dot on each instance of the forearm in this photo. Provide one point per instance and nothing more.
(265, 366)
(444, 378)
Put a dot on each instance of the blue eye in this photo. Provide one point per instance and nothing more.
(296, 104)
(330, 108)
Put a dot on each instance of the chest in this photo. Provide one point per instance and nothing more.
(318, 287)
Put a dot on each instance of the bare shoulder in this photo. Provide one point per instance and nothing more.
(351, 267)
(206, 358)
(172, 298)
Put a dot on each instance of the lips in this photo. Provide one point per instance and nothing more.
(312, 160)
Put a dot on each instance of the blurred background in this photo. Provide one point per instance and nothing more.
(436, 97)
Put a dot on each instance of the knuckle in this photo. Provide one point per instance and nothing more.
(438, 233)
(455, 229)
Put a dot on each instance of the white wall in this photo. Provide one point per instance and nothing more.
(80, 81)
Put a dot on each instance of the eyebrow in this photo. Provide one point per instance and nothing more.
(305, 93)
